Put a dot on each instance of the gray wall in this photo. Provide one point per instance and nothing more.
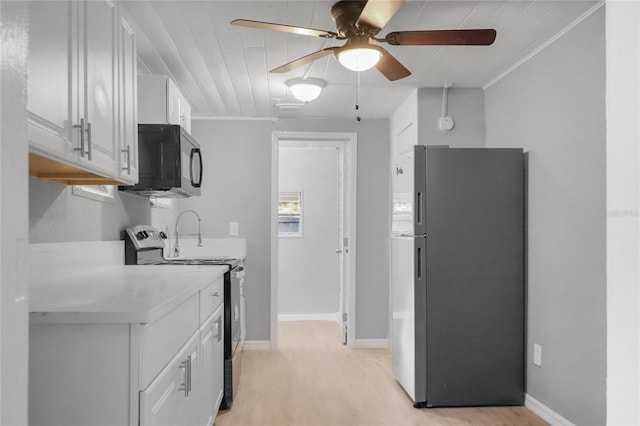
(308, 265)
(237, 187)
(57, 215)
(465, 106)
(554, 107)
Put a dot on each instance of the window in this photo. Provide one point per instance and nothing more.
(290, 214)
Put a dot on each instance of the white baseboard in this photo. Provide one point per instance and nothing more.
(256, 345)
(309, 317)
(371, 343)
(545, 413)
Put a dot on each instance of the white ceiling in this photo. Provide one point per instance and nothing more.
(223, 69)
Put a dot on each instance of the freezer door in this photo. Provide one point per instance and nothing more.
(408, 339)
(409, 182)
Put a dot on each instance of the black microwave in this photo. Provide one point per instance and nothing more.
(169, 162)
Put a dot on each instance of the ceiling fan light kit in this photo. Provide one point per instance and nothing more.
(359, 56)
(306, 89)
(358, 22)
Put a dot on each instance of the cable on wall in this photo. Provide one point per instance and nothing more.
(445, 123)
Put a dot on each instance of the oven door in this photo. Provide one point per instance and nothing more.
(190, 164)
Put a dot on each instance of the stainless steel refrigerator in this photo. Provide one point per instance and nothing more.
(457, 276)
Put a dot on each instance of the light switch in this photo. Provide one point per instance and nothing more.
(233, 229)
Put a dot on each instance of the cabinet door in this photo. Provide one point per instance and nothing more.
(212, 367)
(168, 400)
(173, 103)
(53, 75)
(128, 103)
(185, 114)
(99, 85)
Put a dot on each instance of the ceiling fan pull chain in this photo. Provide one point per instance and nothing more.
(357, 96)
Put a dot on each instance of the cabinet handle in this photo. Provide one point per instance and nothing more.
(81, 127)
(189, 375)
(216, 294)
(185, 385)
(127, 151)
(89, 150)
(219, 327)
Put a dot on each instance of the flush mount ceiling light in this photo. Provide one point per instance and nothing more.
(359, 56)
(306, 89)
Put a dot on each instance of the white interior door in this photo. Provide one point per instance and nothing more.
(310, 248)
(342, 249)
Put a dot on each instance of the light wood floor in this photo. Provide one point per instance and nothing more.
(312, 379)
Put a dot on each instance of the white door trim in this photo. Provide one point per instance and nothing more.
(350, 140)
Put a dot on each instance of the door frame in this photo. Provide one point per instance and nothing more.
(349, 141)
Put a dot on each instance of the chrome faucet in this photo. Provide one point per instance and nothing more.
(176, 247)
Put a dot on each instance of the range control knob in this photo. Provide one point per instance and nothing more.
(162, 235)
(141, 235)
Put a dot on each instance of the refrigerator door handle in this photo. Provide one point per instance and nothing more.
(418, 208)
(419, 264)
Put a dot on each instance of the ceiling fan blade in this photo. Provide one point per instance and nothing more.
(390, 67)
(483, 37)
(284, 28)
(376, 13)
(304, 60)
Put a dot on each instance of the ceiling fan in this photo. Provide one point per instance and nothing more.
(358, 22)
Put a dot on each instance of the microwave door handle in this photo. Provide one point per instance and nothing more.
(195, 151)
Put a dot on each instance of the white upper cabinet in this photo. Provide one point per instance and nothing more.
(100, 83)
(161, 102)
(78, 61)
(53, 79)
(128, 103)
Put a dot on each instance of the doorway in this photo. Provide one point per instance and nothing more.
(313, 229)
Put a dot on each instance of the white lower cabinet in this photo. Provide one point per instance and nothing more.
(168, 372)
(172, 398)
(212, 367)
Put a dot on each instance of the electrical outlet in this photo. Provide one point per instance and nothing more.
(233, 229)
(537, 355)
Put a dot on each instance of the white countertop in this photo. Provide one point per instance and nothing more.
(115, 293)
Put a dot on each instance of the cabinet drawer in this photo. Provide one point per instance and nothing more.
(163, 338)
(210, 298)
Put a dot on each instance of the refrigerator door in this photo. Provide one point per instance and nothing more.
(408, 261)
(475, 292)
(409, 182)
